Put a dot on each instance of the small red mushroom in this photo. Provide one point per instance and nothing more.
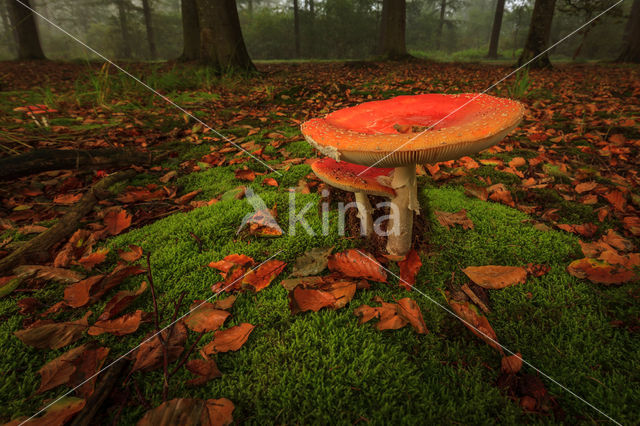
(360, 180)
(33, 110)
(408, 130)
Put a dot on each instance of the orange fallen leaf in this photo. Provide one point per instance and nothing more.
(632, 224)
(184, 411)
(262, 276)
(245, 174)
(149, 355)
(205, 369)
(511, 364)
(134, 254)
(409, 268)
(616, 241)
(410, 311)
(270, 182)
(53, 335)
(73, 368)
(476, 322)
(205, 318)
(448, 220)
(126, 324)
(357, 264)
(230, 339)
(585, 187)
(93, 259)
(59, 413)
(495, 276)
(116, 221)
(600, 272)
(67, 198)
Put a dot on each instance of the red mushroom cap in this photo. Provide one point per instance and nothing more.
(346, 176)
(369, 132)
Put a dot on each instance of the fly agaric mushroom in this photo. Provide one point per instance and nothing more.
(359, 180)
(39, 109)
(408, 130)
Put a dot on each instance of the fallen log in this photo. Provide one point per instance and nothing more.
(42, 160)
(37, 249)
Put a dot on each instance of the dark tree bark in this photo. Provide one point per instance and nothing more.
(148, 22)
(10, 33)
(311, 43)
(221, 42)
(392, 29)
(631, 39)
(538, 37)
(26, 30)
(495, 30)
(443, 9)
(124, 28)
(190, 31)
(296, 27)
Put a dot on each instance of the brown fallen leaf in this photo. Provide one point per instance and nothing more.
(583, 187)
(600, 272)
(132, 255)
(230, 339)
(196, 412)
(149, 355)
(59, 413)
(184, 199)
(126, 324)
(311, 262)
(116, 221)
(496, 277)
(270, 182)
(205, 317)
(89, 261)
(225, 303)
(324, 294)
(448, 220)
(261, 277)
(410, 311)
(476, 322)
(616, 241)
(393, 316)
(587, 230)
(120, 301)
(80, 244)
(471, 190)
(357, 264)
(511, 364)
(409, 268)
(245, 174)
(632, 224)
(61, 275)
(93, 288)
(53, 335)
(205, 369)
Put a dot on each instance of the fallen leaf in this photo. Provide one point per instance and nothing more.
(312, 262)
(511, 364)
(357, 264)
(476, 322)
(80, 243)
(48, 273)
(517, 162)
(230, 339)
(206, 369)
(496, 277)
(616, 241)
(205, 318)
(448, 220)
(585, 187)
(632, 224)
(116, 221)
(67, 198)
(600, 272)
(149, 355)
(58, 414)
(270, 182)
(134, 254)
(120, 301)
(53, 335)
(93, 259)
(126, 324)
(262, 276)
(245, 174)
(410, 311)
(409, 268)
(225, 303)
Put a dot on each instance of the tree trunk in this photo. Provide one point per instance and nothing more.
(538, 37)
(124, 28)
(26, 30)
(443, 8)
(311, 42)
(146, 10)
(495, 31)
(190, 31)
(10, 33)
(631, 39)
(392, 29)
(222, 45)
(296, 27)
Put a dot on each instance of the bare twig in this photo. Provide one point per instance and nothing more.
(187, 354)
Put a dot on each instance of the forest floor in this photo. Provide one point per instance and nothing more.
(562, 187)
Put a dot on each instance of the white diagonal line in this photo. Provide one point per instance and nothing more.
(166, 99)
(492, 86)
(149, 338)
(491, 339)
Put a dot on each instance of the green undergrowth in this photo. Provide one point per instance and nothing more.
(325, 368)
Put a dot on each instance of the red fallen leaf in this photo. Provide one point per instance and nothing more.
(225, 303)
(517, 162)
(67, 198)
(448, 220)
(600, 272)
(149, 355)
(187, 197)
(126, 324)
(137, 194)
(612, 257)
(468, 163)
(79, 294)
(231, 261)
(262, 276)
(511, 364)
(471, 190)
(502, 196)
(230, 339)
(476, 322)
(632, 224)
(409, 268)
(333, 295)
(49, 273)
(496, 277)
(537, 270)
(80, 243)
(91, 260)
(183, 411)
(73, 368)
(617, 200)
(603, 212)
(387, 315)
(205, 318)
(120, 301)
(263, 223)
(53, 335)
(245, 174)
(357, 264)
(59, 413)
(616, 241)
(587, 230)
(116, 221)
(585, 187)
(410, 311)
(206, 369)
(131, 256)
(270, 182)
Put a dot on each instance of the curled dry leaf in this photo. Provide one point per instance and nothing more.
(600, 272)
(332, 295)
(496, 277)
(357, 264)
(149, 355)
(53, 335)
(205, 317)
(262, 276)
(409, 310)
(230, 339)
(120, 301)
(476, 322)
(448, 220)
(80, 243)
(393, 316)
(126, 324)
(134, 253)
(511, 364)
(93, 259)
(587, 230)
(409, 268)
(205, 369)
(116, 221)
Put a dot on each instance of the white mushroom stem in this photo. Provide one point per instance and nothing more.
(364, 213)
(400, 225)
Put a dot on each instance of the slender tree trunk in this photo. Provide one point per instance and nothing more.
(495, 30)
(222, 45)
(311, 44)
(392, 29)
(124, 29)
(296, 27)
(148, 22)
(190, 31)
(631, 39)
(443, 8)
(250, 7)
(10, 33)
(539, 32)
(26, 30)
